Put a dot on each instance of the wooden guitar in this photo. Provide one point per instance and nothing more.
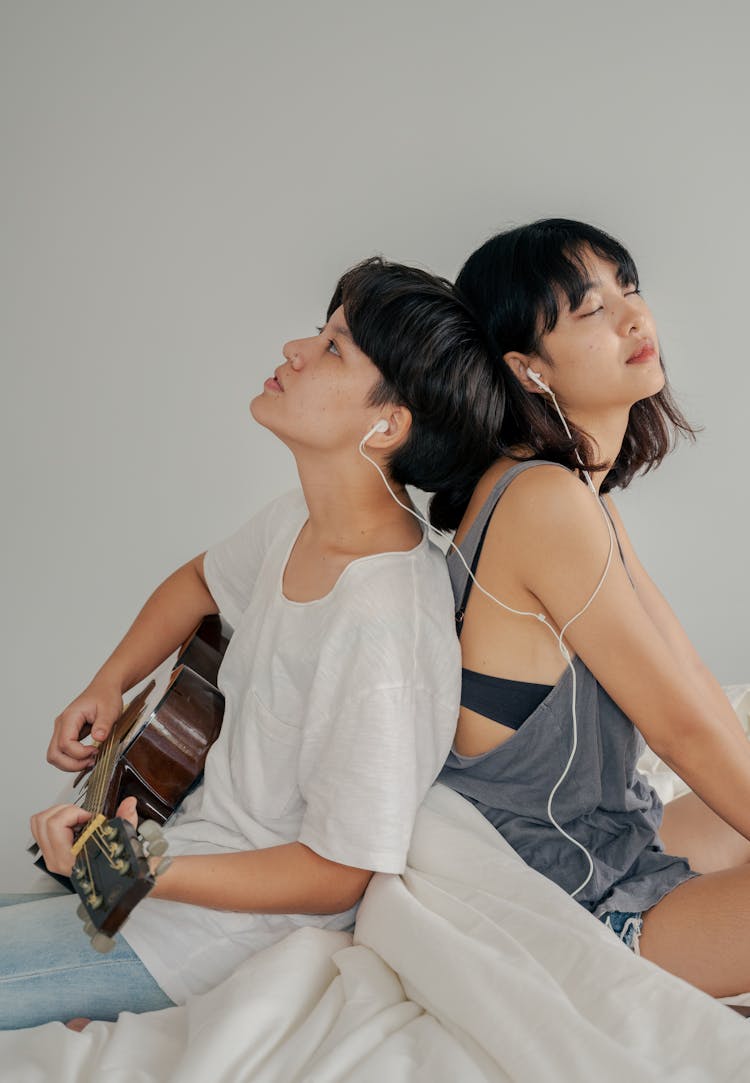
(155, 752)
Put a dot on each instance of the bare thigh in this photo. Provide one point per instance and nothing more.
(692, 830)
(699, 932)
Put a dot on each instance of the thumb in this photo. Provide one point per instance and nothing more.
(127, 810)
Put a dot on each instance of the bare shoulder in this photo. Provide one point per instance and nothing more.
(550, 498)
(541, 483)
(614, 511)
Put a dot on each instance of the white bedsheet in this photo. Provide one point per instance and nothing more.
(470, 967)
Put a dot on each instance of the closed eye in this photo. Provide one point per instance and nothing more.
(635, 291)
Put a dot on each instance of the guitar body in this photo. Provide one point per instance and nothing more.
(167, 755)
(204, 651)
(161, 748)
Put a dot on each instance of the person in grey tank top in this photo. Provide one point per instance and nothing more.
(573, 660)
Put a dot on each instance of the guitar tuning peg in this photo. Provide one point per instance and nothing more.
(149, 830)
(102, 943)
(89, 928)
(82, 912)
(156, 844)
(162, 867)
(157, 847)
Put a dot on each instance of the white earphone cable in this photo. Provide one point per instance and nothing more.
(527, 613)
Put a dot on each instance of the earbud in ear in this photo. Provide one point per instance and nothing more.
(379, 426)
(536, 378)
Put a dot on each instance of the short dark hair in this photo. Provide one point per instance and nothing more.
(433, 358)
(514, 284)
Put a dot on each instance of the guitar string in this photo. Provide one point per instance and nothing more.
(102, 770)
(99, 839)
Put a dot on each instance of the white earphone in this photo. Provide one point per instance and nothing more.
(536, 378)
(379, 426)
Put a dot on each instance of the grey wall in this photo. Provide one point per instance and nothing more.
(182, 184)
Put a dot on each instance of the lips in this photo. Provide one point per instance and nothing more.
(273, 383)
(644, 353)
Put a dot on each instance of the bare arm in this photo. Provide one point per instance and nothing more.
(665, 620)
(166, 620)
(288, 879)
(562, 542)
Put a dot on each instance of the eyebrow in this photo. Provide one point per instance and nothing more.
(591, 284)
(342, 332)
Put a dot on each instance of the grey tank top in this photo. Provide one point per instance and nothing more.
(604, 802)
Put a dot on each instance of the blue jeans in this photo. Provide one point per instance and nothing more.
(49, 971)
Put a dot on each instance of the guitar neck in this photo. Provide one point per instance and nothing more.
(99, 779)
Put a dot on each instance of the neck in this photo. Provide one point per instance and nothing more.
(606, 434)
(350, 509)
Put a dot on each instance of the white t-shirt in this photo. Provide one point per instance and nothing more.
(339, 715)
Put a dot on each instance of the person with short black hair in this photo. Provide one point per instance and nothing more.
(341, 679)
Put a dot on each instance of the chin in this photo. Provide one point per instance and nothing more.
(654, 387)
(661, 381)
(258, 411)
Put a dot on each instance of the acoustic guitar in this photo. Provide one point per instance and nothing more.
(155, 752)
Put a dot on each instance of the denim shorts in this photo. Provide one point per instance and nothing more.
(626, 926)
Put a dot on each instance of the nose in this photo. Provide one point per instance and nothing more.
(294, 353)
(633, 315)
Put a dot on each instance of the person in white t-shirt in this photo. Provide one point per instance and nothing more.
(341, 679)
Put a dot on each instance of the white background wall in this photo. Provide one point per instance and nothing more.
(183, 182)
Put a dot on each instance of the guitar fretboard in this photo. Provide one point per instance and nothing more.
(98, 781)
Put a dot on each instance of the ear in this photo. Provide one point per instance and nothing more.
(399, 426)
(518, 363)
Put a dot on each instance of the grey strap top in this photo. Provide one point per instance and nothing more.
(604, 802)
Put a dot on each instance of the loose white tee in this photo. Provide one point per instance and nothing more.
(339, 715)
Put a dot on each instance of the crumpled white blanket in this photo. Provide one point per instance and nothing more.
(469, 967)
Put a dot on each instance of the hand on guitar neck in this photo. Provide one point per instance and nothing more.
(110, 865)
(55, 831)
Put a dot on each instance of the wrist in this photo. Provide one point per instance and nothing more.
(108, 681)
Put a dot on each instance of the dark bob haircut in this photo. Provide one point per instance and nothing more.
(514, 284)
(432, 358)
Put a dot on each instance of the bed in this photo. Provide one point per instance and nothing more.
(468, 967)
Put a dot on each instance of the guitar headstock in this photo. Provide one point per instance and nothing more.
(111, 873)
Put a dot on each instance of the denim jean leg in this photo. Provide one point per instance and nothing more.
(49, 971)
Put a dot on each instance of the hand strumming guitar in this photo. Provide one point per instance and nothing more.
(96, 710)
(169, 616)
